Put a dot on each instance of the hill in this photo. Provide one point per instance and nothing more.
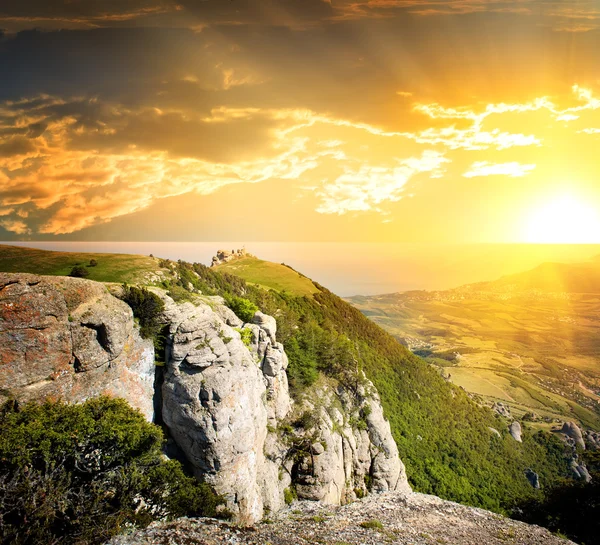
(110, 267)
(529, 340)
(269, 275)
(451, 446)
(549, 278)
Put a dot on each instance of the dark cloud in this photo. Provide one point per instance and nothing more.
(17, 145)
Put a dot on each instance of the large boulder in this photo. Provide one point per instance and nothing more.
(570, 429)
(515, 431)
(68, 338)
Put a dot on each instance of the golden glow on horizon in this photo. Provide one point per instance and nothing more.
(564, 219)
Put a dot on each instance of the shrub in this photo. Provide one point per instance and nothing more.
(79, 474)
(289, 495)
(243, 308)
(146, 307)
(79, 272)
(246, 335)
(93, 263)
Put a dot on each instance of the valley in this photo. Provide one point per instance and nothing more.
(530, 340)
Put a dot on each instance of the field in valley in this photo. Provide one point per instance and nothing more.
(536, 349)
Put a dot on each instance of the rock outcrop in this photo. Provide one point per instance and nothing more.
(501, 409)
(226, 403)
(515, 430)
(68, 338)
(225, 256)
(570, 429)
(351, 451)
(533, 478)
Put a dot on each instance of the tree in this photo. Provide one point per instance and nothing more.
(79, 272)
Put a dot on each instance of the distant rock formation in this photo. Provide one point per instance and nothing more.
(580, 471)
(68, 338)
(515, 431)
(572, 430)
(533, 478)
(225, 256)
(502, 409)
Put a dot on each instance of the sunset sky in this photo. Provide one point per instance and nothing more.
(300, 120)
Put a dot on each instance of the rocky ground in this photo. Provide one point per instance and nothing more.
(393, 518)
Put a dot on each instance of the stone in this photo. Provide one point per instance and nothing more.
(267, 323)
(515, 431)
(572, 430)
(533, 478)
(70, 339)
(495, 431)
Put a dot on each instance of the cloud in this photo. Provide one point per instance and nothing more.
(69, 164)
(485, 168)
(365, 187)
(15, 226)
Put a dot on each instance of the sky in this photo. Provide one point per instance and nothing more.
(421, 121)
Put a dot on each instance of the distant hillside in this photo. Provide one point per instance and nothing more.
(530, 339)
(109, 268)
(269, 275)
(550, 278)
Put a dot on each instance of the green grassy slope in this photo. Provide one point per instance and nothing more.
(110, 268)
(269, 275)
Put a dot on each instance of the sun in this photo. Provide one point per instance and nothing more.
(563, 220)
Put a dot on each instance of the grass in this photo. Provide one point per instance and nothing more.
(110, 268)
(269, 275)
(372, 524)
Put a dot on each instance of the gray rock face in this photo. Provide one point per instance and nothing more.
(224, 402)
(266, 323)
(515, 431)
(570, 429)
(68, 338)
(592, 439)
(352, 452)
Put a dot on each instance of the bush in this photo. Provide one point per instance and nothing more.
(79, 272)
(147, 308)
(93, 263)
(289, 495)
(243, 308)
(79, 474)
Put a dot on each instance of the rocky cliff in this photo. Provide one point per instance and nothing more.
(224, 396)
(69, 338)
(226, 403)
